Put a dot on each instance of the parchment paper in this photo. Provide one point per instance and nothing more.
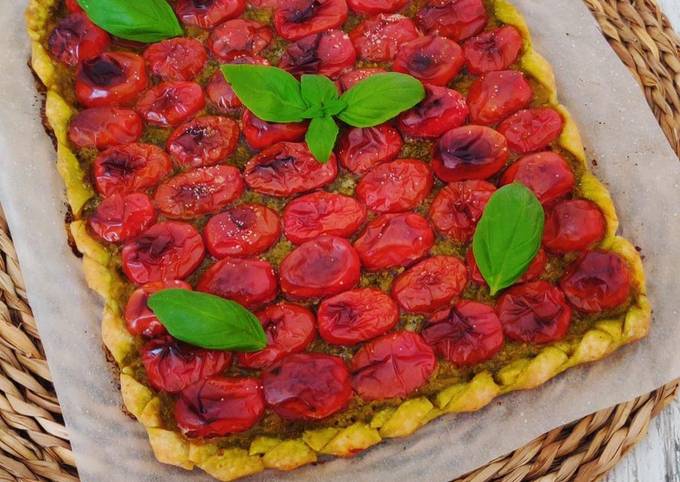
(633, 158)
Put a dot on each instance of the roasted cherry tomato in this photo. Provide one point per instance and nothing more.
(547, 174)
(597, 281)
(103, 127)
(531, 130)
(260, 134)
(76, 38)
(289, 328)
(534, 270)
(395, 186)
(73, 6)
(171, 103)
(393, 365)
(307, 386)
(208, 13)
(112, 78)
(441, 110)
(129, 168)
(203, 190)
(355, 76)
(220, 94)
(496, 95)
(219, 406)
(372, 7)
(312, 215)
(139, 318)
(393, 240)
(243, 230)
(250, 282)
(496, 49)
(121, 217)
(457, 208)
(432, 59)
(470, 334)
(324, 266)
(238, 37)
(361, 149)
(288, 168)
(430, 285)
(377, 39)
(294, 19)
(172, 365)
(573, 225)
(166, 251)
(203, 141)
(176, 58)
(356, 315)
(328, 53)
(455, 19)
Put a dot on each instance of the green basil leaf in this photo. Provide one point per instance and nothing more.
(508, 235)
(320, 138)
(272, 94)
(207, 320)
(318, 90)
(380, 98)
(140, 20)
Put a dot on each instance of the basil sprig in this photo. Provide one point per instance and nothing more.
(274, 95)
(140, 20)
(508, 235)
(208, 321)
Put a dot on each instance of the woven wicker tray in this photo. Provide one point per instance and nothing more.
(34, 443)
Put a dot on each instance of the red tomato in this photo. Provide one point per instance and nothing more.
(166, 251)
(103, 127)
(441, 110)
(395, 186)
(456, 19)
(119, 218)
(318, 213)
(597, 281)
(176, 58)
(531, 130)
(203, 141)
(250, 282)
(534, 270)
(208, 13)
(432, 59)
(377, 39)
(219, 406)
(361, 149)
(328, 53)
(171, 103)
(496, 95)
(288, 168)
(573, 225)
(139, 318)
(238, 37)
(355, 76)
(203, 190)
(219, 92)
(496, 49)
(393, 365)
(356, 315)
(129, 168)
(371, 7)
(289, 328)
(112, 78)
(294, 19)
(72, 6)
(430, 285)
(244, 230)
(76, 38)
(547, 174)
(470, 334)
(457, 208)
(393, 240)
(260, 134)
(324, 266)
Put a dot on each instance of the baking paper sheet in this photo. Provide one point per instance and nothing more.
(633, 158)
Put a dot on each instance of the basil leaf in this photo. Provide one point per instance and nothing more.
(508, 235)
(207, 320)
(320, 138)
(272, 94)
(379, 98)
(140, 20)
(318, 90)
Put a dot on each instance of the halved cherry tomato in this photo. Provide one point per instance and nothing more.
(573, 225)
(203, 141)
(72, 6)
(166, 251)
(470, 334)
(289, 328)
(219, 92)
(288, 168)
(432, 59)
(496, 49)
(457, 208)
(531, 130)
(456, 19)
(377, 39)
(372, 7)
(441, 110)
(328, 53)
(121, 217)
(129, 168)
(76, 38)
(260, 134)
(208, 13)
(597, 281)
(393, 240)
(238, 37)
(430, 285)
(318, 213)
(395, 186)
(547, 174)
(356, 315)
(203, 190)
(171, 103)
(534, 270)
(361, 149)
(139, 318)
(393, 365)
(355, 76)
(250, 282)
(112, 78)
(324, 266)
(496, 95)
(243, 230)
(103, 127)
(176, 58)
(294, 19)
(219, 406)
